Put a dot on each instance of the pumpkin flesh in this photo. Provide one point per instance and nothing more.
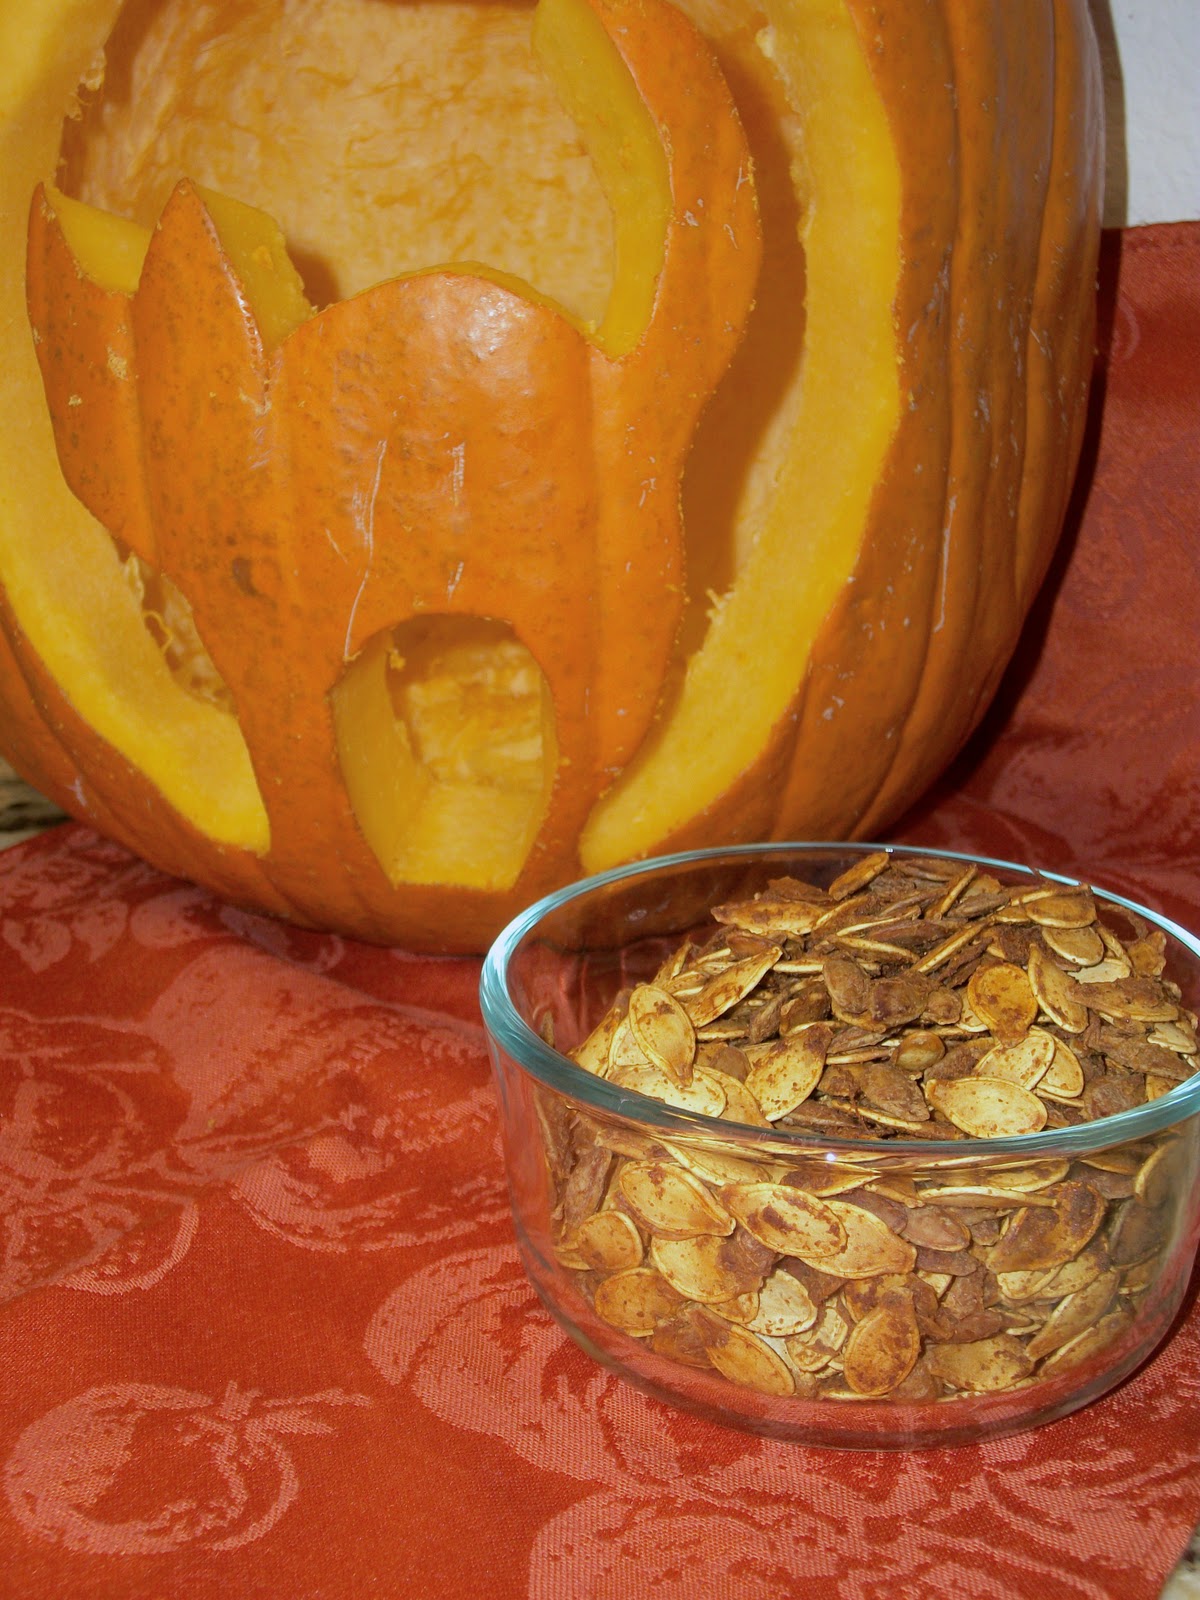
(852, 583)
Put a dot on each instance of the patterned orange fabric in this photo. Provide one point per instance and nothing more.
(264, 1331)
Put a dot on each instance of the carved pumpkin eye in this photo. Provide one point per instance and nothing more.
(470, 445)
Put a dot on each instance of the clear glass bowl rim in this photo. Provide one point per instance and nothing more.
(512, 1034)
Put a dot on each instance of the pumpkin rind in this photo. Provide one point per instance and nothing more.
(999, 227)
(993, 123)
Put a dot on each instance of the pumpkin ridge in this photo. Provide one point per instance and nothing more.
(870, 653)
(109, 481)
(777, 597)
(1067, 221)
(1075, 63)
(975, 583)
(118, 667)
(707, 283)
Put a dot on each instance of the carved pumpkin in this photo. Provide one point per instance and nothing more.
(701, 497)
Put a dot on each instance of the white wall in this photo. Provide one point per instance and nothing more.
(1151, 51)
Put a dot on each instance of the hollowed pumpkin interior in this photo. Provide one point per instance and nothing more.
(390, 135)
(446, 723)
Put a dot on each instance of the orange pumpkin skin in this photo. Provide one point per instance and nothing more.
(997, 304)
(995, 126)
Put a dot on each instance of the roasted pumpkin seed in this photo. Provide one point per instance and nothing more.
(608, 1241)
(783, 1074)
(749, 1361)
(669, 1202)
(988, 1108)
(636, 1301)
(786, 1219)
(664, 1031)
(883, 1349)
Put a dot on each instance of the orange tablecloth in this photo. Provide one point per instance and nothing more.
(264, 1330)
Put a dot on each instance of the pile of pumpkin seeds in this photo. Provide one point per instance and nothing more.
(913, 998)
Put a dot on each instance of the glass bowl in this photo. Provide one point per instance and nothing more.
(830, 1273)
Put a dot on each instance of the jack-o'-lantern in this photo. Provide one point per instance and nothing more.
(451, 447)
